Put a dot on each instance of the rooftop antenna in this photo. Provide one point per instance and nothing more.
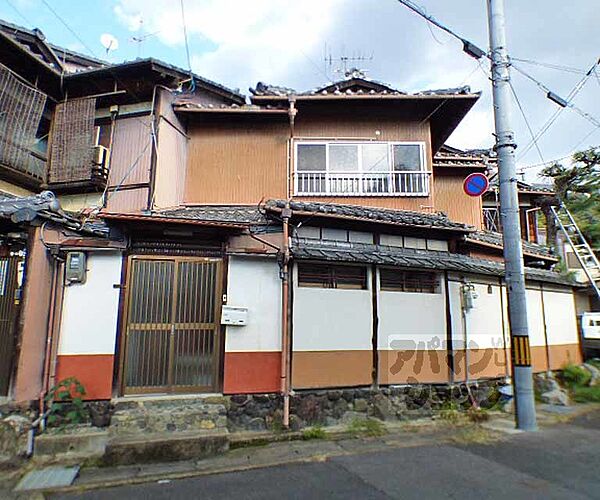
(142, 37)
(109, 42)
(348, 66)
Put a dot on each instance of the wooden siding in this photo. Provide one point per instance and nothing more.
(237, 162)
(127, 200)
(246, 161)
(131, 152)
(170, 176)
(452, 200)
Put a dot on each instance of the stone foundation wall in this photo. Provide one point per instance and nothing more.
(334, 407)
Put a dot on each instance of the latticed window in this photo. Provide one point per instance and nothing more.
(21, 109)
(332, 276)
(72, 141)
(396, 280)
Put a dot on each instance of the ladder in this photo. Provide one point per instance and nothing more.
(585, 255)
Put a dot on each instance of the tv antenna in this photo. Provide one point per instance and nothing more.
(142, 37)
(348, 66)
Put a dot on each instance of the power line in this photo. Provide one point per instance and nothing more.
(185, 38)
(563, 103)
(558, 67)
(64, 23)
(514, 93)
(469, 47)
(18, 12)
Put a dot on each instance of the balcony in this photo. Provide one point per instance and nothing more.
(21, 163)
(407, 183)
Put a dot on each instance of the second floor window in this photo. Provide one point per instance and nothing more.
(361, 169)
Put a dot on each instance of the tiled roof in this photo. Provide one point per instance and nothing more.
(240, 214)
(383, 215)
(186, 104)
(370, 87)
(45, 206)
(493, 238)
(309, 249)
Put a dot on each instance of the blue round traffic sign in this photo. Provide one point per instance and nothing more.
(476, 184)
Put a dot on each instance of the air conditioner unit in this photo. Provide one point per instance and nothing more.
(100, 156)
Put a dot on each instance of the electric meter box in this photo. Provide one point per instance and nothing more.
(234, 315)
(75, 269)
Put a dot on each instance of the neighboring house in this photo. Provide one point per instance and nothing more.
(301, 240)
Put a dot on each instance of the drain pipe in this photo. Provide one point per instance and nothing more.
(285, 286)
(285, 276)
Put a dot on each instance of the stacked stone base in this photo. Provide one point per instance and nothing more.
(337, 407)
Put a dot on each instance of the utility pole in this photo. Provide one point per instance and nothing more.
(509, 214)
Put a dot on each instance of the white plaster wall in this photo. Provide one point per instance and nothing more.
(412, 318)
(254, 283)
(535, 318)
(89, 317)
(332, 319)
(561, 319)
(483, 322)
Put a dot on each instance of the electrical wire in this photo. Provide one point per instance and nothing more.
(566, 69)
(64, 23)
(520, 106)
(187, 47)
(18, 12)
(569, 103)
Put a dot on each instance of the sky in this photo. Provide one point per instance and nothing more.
(288, 42)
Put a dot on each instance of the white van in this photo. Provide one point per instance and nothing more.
(590, 333)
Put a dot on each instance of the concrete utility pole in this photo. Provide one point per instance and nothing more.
(509, 214)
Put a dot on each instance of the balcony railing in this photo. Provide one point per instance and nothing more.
(362, 183)
(22, 160)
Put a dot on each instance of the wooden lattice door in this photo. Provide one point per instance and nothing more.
(172, 325)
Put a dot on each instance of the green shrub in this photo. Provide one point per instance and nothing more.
(66, 402)
(575, 376)
(587, 394)
(367, 427)
(315, 432)
(449, 412)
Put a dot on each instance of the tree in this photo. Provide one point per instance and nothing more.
(578, 187)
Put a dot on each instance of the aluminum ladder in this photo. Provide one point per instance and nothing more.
(585, 255)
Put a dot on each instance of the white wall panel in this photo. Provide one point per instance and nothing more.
(561, 320)
(535, 316)
(332, 319)
(254, 283)
(418, 318)
(89, 317)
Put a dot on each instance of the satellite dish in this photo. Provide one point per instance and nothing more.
(109, 42)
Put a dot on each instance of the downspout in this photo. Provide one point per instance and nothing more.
(285, 284)
(285, 280)
(49, 336)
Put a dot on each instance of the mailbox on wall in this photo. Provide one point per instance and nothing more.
(234, 315)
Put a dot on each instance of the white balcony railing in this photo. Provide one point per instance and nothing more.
(362, 183)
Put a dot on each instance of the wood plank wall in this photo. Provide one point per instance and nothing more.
(243, 162)
(452, 200)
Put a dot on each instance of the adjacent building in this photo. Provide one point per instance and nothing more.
(199, 241)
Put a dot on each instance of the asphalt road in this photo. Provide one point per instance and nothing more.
(559, 462)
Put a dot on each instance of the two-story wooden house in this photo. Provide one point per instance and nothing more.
(297, 241)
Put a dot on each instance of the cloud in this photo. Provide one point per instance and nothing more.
(250, 40)
(237, 43)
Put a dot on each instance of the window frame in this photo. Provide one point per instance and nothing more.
(331, 282)
(422, 173)
(424, 289)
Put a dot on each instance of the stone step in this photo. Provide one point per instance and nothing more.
(165, 447)
(134, 416)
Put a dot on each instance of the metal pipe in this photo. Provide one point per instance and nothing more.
(285, 390)
(49, 337)
(509, 213)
